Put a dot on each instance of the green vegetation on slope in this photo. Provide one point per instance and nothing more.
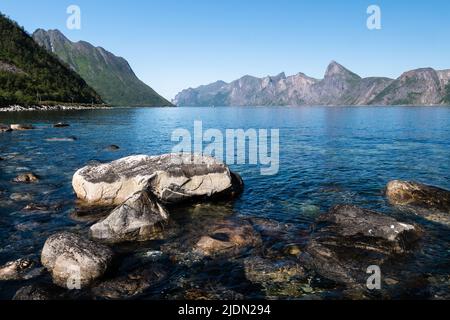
(447, 94)
(111, 76)
(38, 76)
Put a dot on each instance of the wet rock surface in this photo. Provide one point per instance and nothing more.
(228, 237)
(171, 178)
(349, 239)
(140, 218)
(431, 202)
(26, 178)
(417, 194)
(22, 269)
(21, 127)
(39, 292)
(61, 125)
(131, 285)
(73, 260)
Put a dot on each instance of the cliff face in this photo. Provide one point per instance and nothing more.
(111, 76)
(421, 86)
(339, 86)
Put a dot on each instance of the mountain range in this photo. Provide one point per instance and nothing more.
(29, 75)
(111, 76)
(339, 86)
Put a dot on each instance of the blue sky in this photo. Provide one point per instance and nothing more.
(176, 44)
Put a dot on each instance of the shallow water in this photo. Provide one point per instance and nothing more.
(328, 156)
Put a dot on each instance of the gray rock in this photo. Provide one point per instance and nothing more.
(407, 193)
(171, 178)
(73, 261)
(351, 226)
(140, 218)
(349, 239)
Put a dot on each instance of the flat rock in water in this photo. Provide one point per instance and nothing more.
(68, 139)
(229, 236)
(26, 178)
(73, 261)
(349, 239)
(407, 193)
(140, 218)
(172, 178)
(113, 147)
(21, 127)
(61, 125)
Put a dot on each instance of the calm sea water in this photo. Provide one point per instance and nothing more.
(327, 156)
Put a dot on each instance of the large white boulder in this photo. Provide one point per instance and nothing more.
(172, 178)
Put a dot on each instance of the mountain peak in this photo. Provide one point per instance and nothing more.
(335, 68)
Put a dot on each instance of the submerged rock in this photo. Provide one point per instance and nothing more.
(228, 236)
(68, 139)
(61, 125)
(260, 270)
(140, 218)
(349, 239)
(26, 178)
(21, 197)
(351, 226)
(73, 261)
(131, 285)
(113, 147)
(39, 207)
(17, 270)
(39, 292)
(406, 193)
(171, 178)
(21, 127)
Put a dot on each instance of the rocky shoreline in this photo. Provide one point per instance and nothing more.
(18, 108)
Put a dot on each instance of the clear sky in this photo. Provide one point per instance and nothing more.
(176, 44)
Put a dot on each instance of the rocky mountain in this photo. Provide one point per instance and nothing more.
(339, 86)
(29, 75)
(111, 76)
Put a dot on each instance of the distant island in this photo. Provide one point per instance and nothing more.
(339, 86)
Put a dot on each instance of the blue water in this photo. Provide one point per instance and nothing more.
(328, 155)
